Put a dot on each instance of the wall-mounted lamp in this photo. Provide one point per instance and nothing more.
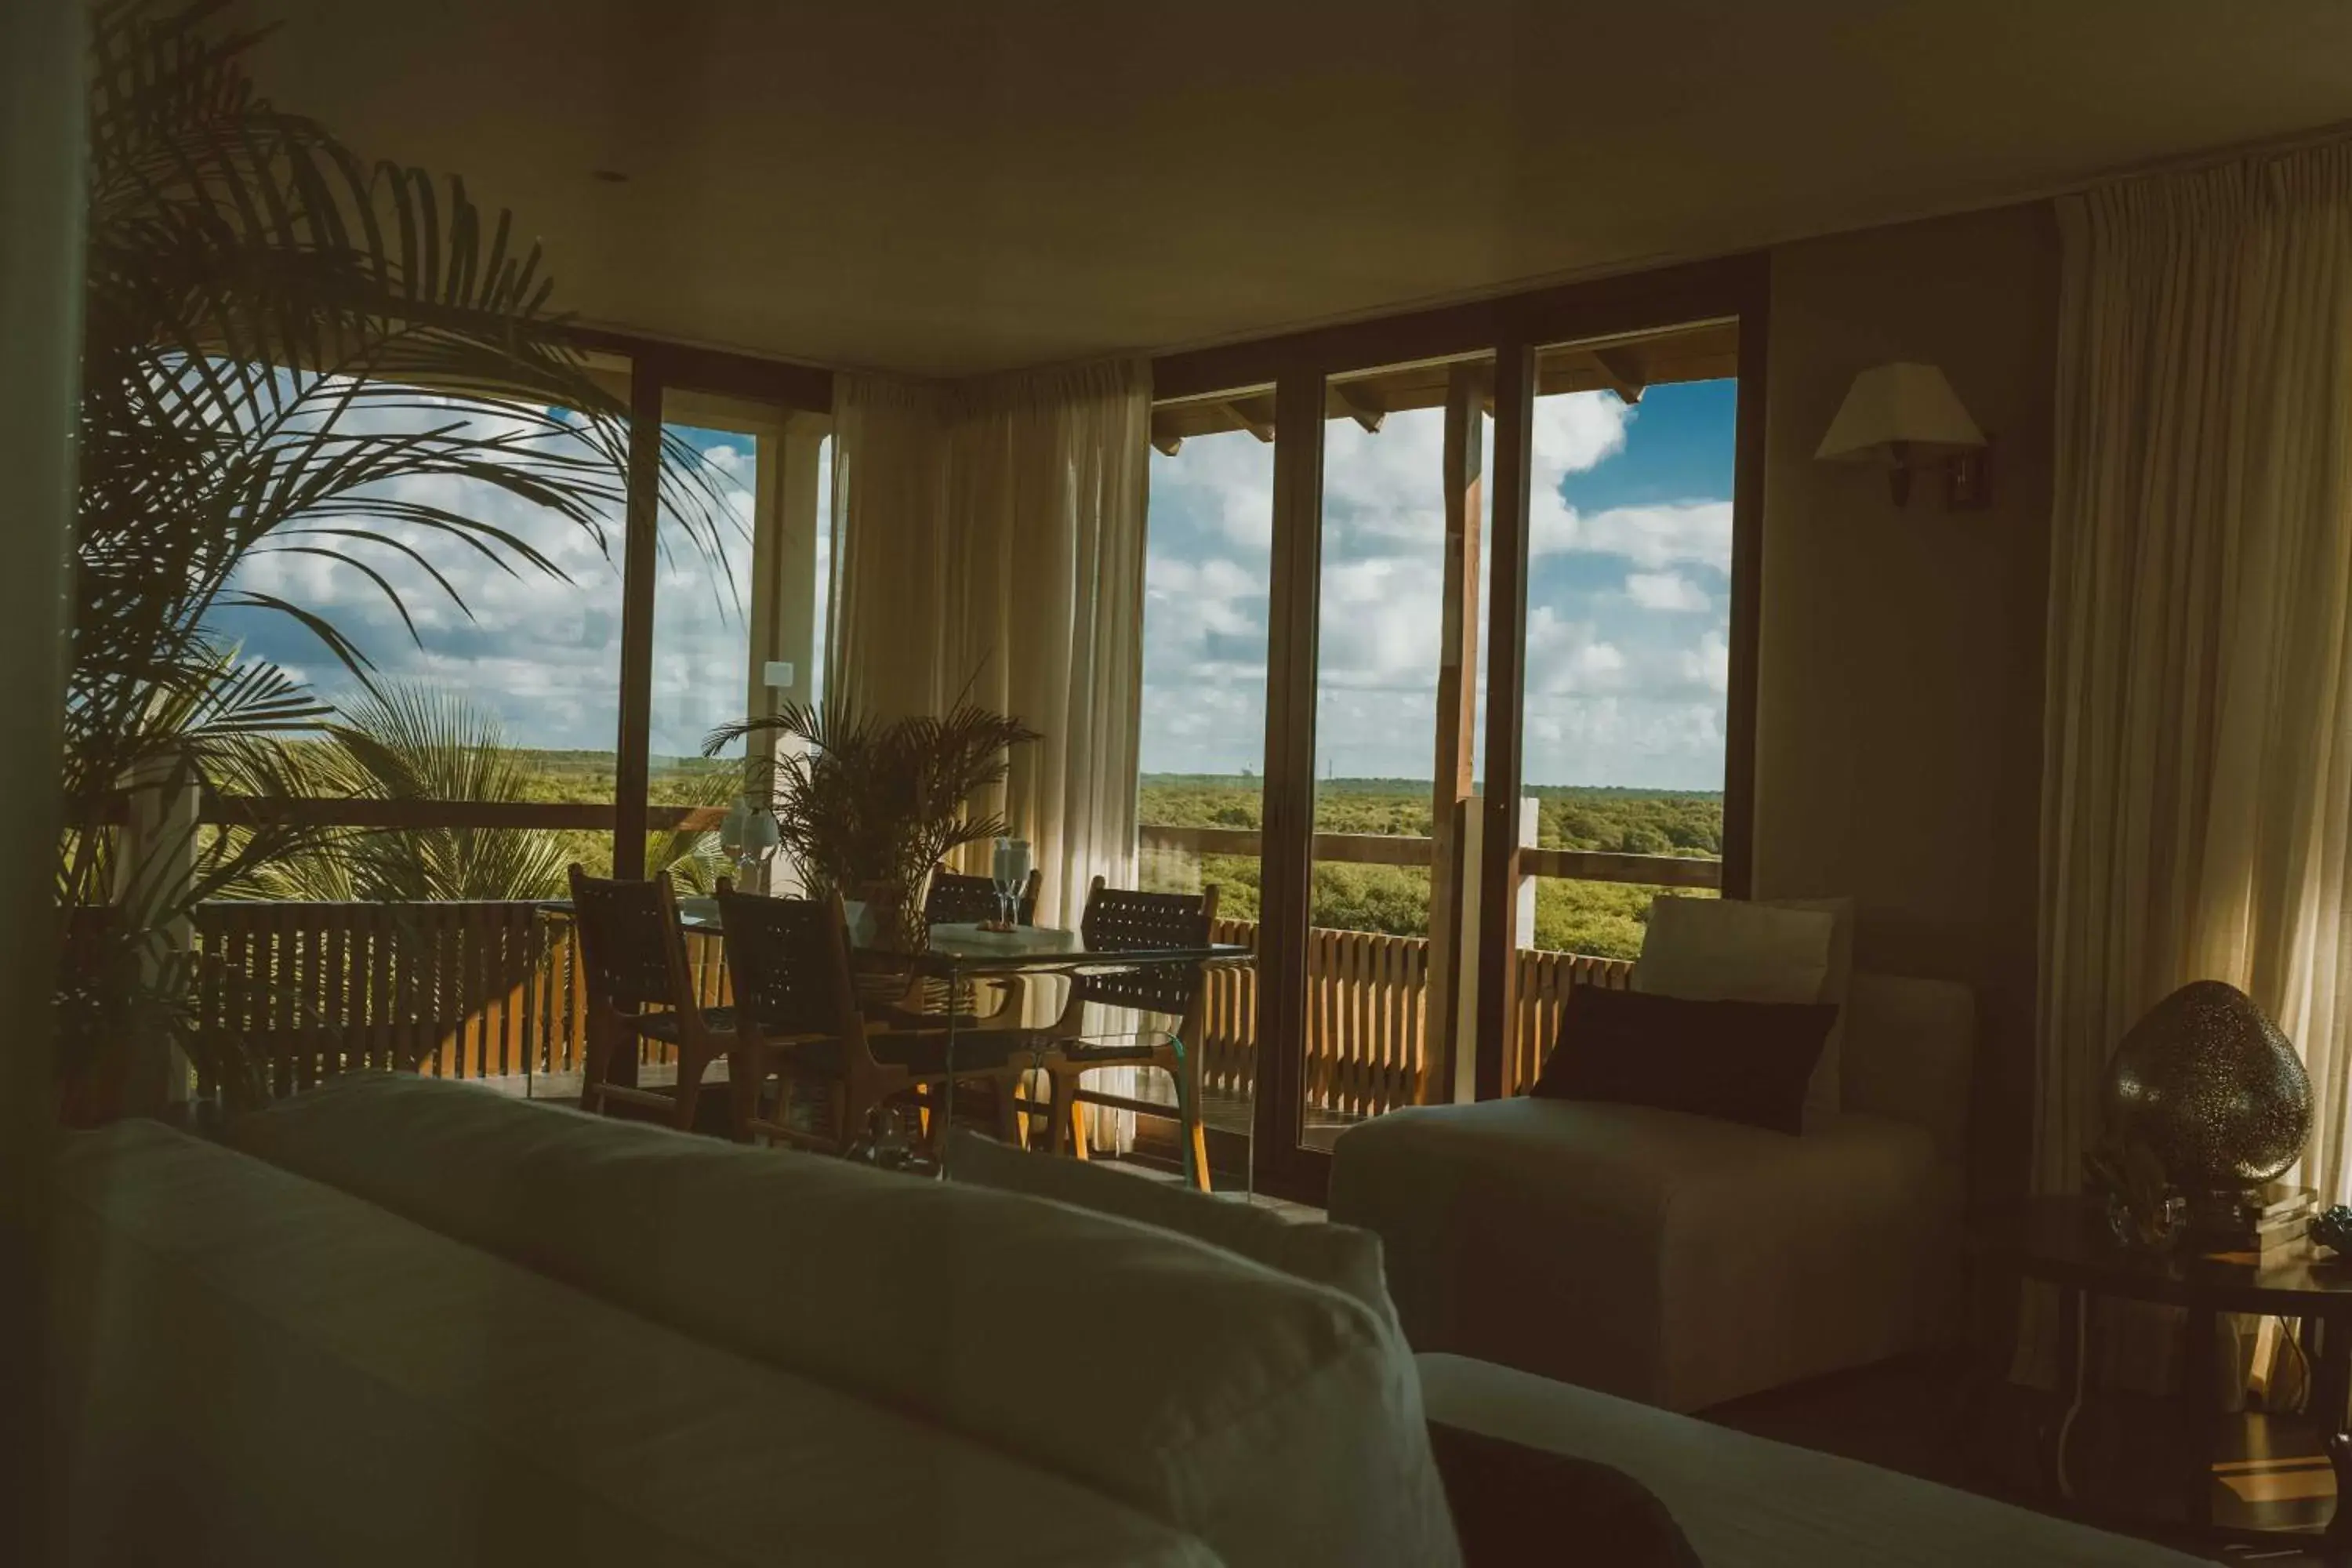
(1900, 416)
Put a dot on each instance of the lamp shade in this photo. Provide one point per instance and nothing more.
(1896, 409)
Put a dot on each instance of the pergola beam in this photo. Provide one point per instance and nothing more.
(1619, 375)
(1363, 406)
(1253, 414)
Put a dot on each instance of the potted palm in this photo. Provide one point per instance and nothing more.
(280, 338)
(866, 808)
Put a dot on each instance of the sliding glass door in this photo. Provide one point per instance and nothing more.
(1509, 601)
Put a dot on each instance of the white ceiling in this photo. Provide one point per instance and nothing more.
(973, 185)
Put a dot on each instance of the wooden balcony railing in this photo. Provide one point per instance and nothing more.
(473, 990)
(493, 991)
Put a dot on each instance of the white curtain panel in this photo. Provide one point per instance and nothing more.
(890, 581)
(989, 539)
(2197, 764)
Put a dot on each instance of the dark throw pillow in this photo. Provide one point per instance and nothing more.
(1517, 1507)
(1736, 1061)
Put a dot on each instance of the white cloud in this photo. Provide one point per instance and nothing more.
(1696, 533)
(1564, 656)
(1668, 591)
(1708, 666)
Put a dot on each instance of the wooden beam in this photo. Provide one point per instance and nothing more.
(640, 557)
(1619, 372)
(1168, 446)
(1568, 312)
(1607, 865)
(1286, 871)
(1507, 650)
(1747, 607)
(1462, 478)
(1362, 404)
(689, 368)
(1253, 415)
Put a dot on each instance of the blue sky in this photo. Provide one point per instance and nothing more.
(1631, 530)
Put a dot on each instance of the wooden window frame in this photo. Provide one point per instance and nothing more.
(1514, 328)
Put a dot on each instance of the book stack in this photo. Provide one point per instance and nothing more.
(2267, 1222)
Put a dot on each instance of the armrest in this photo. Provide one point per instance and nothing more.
(1516, 1505)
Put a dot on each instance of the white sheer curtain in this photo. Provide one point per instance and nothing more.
(2198, 784)
(990, 535)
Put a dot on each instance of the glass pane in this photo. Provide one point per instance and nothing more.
(1203, 739)
(1628, 593)
(530, 661)
(1403, 513)
(701, 608)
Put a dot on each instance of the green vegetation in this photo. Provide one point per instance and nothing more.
(1604, 917)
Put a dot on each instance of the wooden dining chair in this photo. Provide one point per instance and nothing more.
(797, 1017)
(639, 985)
(997, 1001)
(1120, 918)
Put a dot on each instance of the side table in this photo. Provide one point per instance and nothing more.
(2067, 1242)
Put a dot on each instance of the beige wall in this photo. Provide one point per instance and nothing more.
(1899, 710)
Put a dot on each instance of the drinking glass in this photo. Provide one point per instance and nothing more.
(1010, 869)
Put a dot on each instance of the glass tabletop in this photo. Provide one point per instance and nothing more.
(965, 948)
(2066, 1240)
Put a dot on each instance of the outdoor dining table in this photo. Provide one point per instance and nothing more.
(960, 952)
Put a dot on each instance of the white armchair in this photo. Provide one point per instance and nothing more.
(1673, 1258)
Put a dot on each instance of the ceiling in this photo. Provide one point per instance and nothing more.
(961, 186)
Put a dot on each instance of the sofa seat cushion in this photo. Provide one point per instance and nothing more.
(1669, 1257)
(1748, 1502)
(1277, 1421)
(254, 1368)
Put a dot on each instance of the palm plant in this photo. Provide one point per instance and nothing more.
(276, 335)
(413, 743)
(866, 808)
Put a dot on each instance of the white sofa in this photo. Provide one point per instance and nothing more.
(412, 1322)
(1676, 1259)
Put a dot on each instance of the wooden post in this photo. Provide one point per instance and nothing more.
(1506, 648)
(1458, 716)
(1287, 870)
(154, 869)
(640, 555)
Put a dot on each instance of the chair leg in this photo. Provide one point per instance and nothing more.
(743, 1084)
(690, 1068)
(595, 1061)
(1076, 1111)
(1187, 1073)
(1008, 1112)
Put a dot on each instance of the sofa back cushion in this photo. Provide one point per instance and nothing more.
(1339, 1257)
(255, 1368)
(1910, 1050)
(1279, 1422)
